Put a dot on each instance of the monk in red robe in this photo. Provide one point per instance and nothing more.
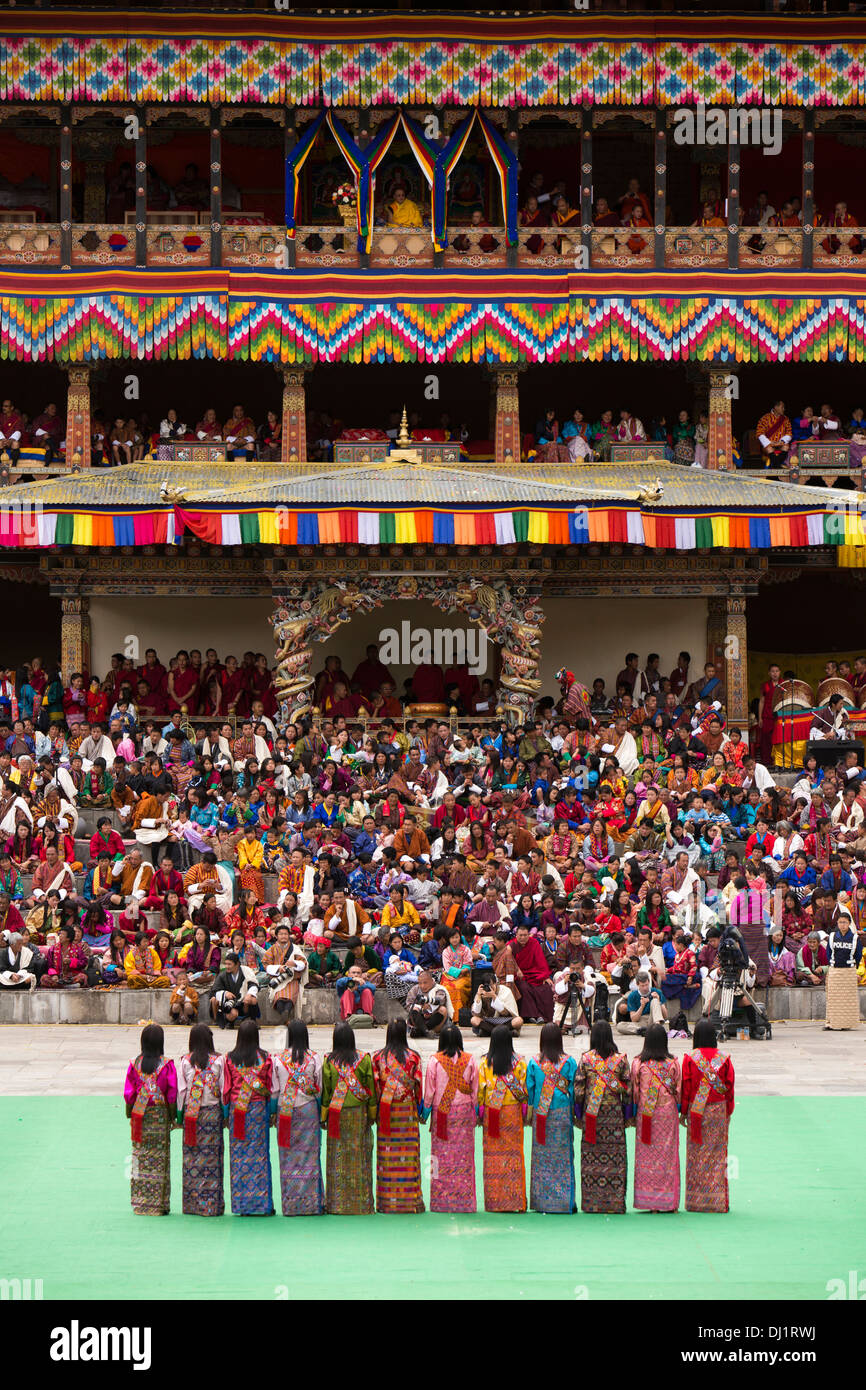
(11, 429)
(428, 684)
(232, 682)
(833, 244)
(371, 673)
(532, 216)
(182, 686)
(768, 718)
(536, 994)
(153, 672)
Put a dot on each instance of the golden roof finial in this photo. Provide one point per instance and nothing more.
(404, 439)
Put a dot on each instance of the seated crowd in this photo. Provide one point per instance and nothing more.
(472, 870)
(681, 440)
(684, 441)
(779, 439)
(553, 206)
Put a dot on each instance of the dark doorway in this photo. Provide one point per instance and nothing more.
(37, 631)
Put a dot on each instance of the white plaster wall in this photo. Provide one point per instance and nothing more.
(232, 625)
(589, 636)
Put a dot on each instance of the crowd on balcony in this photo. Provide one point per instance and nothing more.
(553, 207)
(682, 441)
(189, 193)
(681, 437)
(365, 847)
(779, 439)
(44, 434)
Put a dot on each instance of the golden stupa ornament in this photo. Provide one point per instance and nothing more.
(404, 453)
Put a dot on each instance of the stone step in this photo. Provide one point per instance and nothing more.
(27, 883)
(319, 1006)
(89, 815)
(82, 848)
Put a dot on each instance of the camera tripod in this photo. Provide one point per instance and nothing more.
(576, 1006)
(726, 992)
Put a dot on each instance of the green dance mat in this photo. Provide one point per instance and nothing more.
(796, 1223)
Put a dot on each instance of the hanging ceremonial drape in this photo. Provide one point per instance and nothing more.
(330, 525)
(354, 157)
(423, 150)
(505, 162)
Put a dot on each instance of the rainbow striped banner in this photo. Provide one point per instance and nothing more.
(355, 159)
(580, 525)
(424, 152)
(504, 160)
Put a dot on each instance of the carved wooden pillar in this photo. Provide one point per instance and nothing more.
(141, 189)
(74, 636)
(294, 415)
(733, 205)
(78, 416)
(736, 652)
(507, 428)
(65, 189)
(720, 445)
(717, 621)
(808, 198)
(216, 188)
(586, 181)
(660, 156)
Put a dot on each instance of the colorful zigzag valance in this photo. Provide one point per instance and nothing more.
(305, 320)
(433, 60)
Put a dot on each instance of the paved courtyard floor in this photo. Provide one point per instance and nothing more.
(88, 1059)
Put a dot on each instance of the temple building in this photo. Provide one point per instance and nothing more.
(299, 312)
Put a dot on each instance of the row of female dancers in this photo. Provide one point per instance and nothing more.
(350, 1093)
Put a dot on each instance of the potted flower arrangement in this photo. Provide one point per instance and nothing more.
(344, 198)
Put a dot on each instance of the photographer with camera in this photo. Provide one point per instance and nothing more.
(428, 1007)
(233, 993)
(644, 1006)
(494, 1005)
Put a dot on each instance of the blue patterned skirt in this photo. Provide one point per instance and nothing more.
(301, 1187)
(250, 1164)
(203, 1166)
(551, 1183)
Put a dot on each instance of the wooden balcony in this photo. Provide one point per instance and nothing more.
(476, 247)
(401, 247)
(545, 247)
(187, 242)
(255, 245)
(625, 248)
(694, 248)
(29, 243)
(771, 246)
(325, 245)
(844, 248)
(103, 244)
(177, 244)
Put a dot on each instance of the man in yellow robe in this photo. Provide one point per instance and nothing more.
(403, 212)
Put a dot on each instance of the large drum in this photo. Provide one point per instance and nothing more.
(836, 685)
(793, 695)
(861, 698)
